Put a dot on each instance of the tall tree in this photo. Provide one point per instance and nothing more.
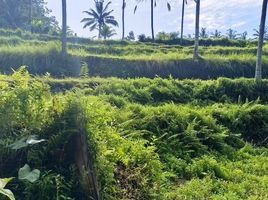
(184, 2)
(258, 73)
(153, 4)
(31, 15)
(152, 18)
(64, 29)
(197, 22)
(216, 34)
(257, 34)
(203, 33)
(131, 36)
(99, 17)
(107, 32)
(243, 36)
(231, 34)
(123, 19)
(24, 14)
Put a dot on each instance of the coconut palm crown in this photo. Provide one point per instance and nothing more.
(99, 17)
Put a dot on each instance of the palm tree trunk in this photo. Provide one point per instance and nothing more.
(31, 16)
(258, 73)
(152, 18)
(64, 29)
(196, 45)
(99, 36)
(123, 19)
(182, 20)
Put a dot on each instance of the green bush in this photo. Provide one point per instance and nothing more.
(140, 143)
(155, 91)
(249, 120)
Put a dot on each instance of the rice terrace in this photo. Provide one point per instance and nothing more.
(133, 100)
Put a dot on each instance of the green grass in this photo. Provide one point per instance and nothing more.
(159, 139)
(150, 138)
(127, 59)
(157, 90)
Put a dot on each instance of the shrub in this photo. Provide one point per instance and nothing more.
(140, 144)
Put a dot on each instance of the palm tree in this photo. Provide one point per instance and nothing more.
(31, 15)
(203, 33)
(107, 32)
(257, 34)
(152, 18)
(64, 29)
(216, 34)
(123, 19)
(184, 2)
(258, 73)
(153, 4)
(99, 17)
(131, 36)
(243, 36)
(69, 31)
(197, 17)
(231, 34)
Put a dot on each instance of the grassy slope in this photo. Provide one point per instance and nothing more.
(128, 59)
(157, 90)
(200, 147)
(152, 138)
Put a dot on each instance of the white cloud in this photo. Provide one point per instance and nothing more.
(215, 14)
(221, 14)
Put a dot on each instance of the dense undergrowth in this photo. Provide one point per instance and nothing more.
(127, 59)
(150, 139)
(159, 91)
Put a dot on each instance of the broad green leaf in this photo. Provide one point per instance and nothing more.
(25, 173)
(4, 182)
(19, 144)
(25, 142)
(32, 139)
(6, 192)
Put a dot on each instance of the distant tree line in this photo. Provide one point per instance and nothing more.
(231, 34)
(31, 15)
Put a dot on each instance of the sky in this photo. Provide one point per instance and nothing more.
(242, 15)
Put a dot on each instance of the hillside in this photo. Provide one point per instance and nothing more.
(147, 138)
(123, 59)
(133, 100)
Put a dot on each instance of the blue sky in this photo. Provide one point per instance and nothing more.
(243, 15)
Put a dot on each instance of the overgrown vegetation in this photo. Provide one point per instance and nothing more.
(160, 91)
(149, 139)
(145, 135)
(125, 59)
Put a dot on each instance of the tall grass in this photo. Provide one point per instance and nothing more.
(128, 59)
